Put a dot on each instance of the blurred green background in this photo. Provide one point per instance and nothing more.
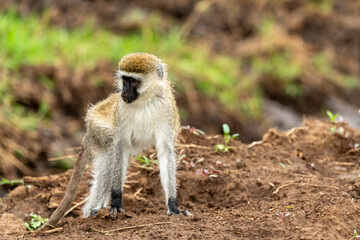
(253, 64)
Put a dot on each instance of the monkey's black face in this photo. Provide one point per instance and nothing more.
(129, 92)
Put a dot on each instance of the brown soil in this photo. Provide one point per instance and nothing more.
(300, 184)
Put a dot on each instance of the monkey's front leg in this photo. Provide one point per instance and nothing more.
(120, 161)
(167, 165)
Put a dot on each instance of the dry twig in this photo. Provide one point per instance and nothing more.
(75, 206)
(138, 191)
(344, 163)
(73, 149)
(133, 174)
(254, 144)
(130, 227)
(53, 230)
(74, 156)
(191, 146)
(291, 131)
(352, 150)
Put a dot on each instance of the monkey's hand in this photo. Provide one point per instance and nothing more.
(114, 211)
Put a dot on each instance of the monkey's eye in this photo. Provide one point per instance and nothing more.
(134, 83)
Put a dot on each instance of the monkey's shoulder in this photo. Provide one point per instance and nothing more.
(104, 110)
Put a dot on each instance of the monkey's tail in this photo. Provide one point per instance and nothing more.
(72, 188)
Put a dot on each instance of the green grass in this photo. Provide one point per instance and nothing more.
(35, 222)
(32, 40)
(11, 182)
(326, 70)
(15, 113)
(280, 65)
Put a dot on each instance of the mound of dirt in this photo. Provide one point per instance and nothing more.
(300, 184)
(19, 151)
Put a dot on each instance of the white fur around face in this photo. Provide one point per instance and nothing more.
(120, 74)
(149, 82)
(150, 86)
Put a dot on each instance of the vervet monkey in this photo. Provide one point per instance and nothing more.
(142, 114)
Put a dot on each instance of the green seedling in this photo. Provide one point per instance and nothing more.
(332, 116)
(354, 235)
(227, 137)
(147, 162)
(283, 165)
(35, 222)
(11, 182)
(332, 130)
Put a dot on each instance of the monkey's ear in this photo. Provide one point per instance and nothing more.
(160, 70)
(118, 81)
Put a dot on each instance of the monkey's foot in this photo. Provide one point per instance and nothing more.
(178, 212)
(114, 211)
(173, 209)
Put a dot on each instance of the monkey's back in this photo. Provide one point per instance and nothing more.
(99, 121)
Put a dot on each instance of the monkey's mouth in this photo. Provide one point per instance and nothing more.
(128, 97)
(128, 100)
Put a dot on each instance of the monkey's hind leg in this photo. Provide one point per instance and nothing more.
(167, 165)
(100, 189)
(120, 163)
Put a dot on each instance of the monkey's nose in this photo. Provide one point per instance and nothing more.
(128, 99)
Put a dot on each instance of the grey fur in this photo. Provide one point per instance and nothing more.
(160, 71)
(100, 189)
(118, 130)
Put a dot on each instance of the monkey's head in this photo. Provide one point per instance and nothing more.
(140, 75)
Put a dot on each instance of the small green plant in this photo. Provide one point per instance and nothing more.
(354, 235)
(332, 130)
(332, 116)
(283, 165)
(147, 162)
(11, 182)
(227, 137)
(35, 222)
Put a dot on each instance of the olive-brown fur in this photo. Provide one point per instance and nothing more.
(139, 63)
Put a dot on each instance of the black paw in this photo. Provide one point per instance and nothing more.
(116, 203)
(114, 211)
(173, 208)
(178, 212)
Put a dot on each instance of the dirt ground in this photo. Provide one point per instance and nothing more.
(300, 184)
